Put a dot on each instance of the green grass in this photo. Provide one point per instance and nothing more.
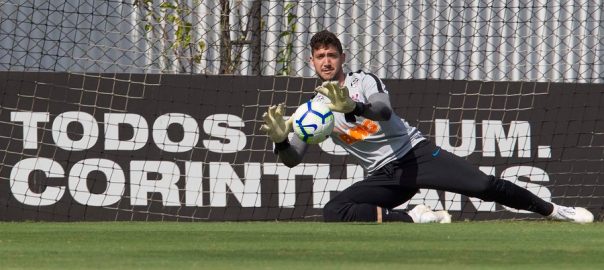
(293, 245)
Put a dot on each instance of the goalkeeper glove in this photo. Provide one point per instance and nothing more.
(274, 125)
(339, 97)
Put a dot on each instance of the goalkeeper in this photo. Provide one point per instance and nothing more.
(398, 159)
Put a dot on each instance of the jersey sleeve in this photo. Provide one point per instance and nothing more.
(372, 85)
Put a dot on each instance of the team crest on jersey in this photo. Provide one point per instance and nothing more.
(354, 82)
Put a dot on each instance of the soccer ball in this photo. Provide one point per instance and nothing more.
(313, 122)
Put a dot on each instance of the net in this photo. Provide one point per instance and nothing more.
(150, 110)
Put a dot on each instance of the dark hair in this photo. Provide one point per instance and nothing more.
(325, 38)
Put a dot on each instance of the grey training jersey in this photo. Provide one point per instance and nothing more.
(373, 143)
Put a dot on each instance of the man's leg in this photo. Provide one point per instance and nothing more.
(428, 166)
(368, 203)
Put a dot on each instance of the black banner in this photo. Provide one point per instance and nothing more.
(187, 147)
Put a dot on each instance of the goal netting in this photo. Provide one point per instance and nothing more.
(150, 110)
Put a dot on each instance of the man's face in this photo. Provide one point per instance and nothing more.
(328, 62)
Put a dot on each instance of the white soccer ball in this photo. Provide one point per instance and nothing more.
(313, 122)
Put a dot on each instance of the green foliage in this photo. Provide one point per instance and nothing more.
(284, 57)
(174, 15)
(170, 31)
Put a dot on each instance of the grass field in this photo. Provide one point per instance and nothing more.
(293, 245)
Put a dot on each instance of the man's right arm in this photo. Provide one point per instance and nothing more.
(291, 151)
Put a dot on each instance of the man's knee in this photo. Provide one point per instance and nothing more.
(348, 211)
(333, 212)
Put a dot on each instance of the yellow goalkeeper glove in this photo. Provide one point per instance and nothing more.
(274, 125)
(339, 97)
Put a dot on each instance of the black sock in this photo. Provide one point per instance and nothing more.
(395, 215)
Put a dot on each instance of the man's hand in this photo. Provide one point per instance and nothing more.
(339, 97)
(274, 125)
